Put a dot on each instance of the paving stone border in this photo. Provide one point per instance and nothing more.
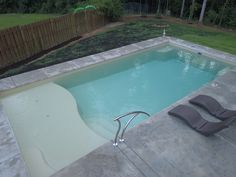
(11, 162)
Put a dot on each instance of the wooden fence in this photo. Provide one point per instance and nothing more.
(23, 42)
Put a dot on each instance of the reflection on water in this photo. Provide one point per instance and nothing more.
(201, 62)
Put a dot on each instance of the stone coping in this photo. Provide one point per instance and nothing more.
(11, 162)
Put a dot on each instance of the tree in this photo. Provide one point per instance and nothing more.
(203, 11)
(159, 6)
(167, 5)
(182, 9)
(192, 8)
(23, 6)
(222, 12)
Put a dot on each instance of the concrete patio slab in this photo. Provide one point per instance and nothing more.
(7, 143)
(172, 141)
(138, 161)
(148, 43)
(11, 163)
(83, 62)
(7, 83)
(29, 77)
(58, 69)
(106, 161)
(13, 167)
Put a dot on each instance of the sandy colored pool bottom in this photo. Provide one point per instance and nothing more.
(49, 129)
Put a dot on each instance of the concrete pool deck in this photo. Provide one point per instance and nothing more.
(160, 146)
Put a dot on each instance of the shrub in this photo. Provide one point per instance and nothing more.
(211, 16)
(230, 17)
(112, 9)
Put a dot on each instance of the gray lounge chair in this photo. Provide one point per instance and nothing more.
(213, 107)
(195, 120)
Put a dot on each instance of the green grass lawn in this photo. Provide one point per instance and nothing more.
(132, 32)
(224, 42)
(10, 20)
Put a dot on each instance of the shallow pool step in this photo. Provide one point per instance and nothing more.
(103, 128)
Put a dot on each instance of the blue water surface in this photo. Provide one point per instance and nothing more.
(149, 81)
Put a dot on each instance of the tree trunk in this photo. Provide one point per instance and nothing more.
(167, 5)
(222, 14)
(182, 9)
(191, 10)
(159, 6)
(203, 11)
(212, 8)
(167, 8)
(213, 4)
(140, 7)
(146, 7)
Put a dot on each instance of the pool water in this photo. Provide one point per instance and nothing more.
(148, 81)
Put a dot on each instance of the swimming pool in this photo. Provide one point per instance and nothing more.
(147, 81)
(58, 122)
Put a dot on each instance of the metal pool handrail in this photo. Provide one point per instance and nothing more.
(135, 113)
